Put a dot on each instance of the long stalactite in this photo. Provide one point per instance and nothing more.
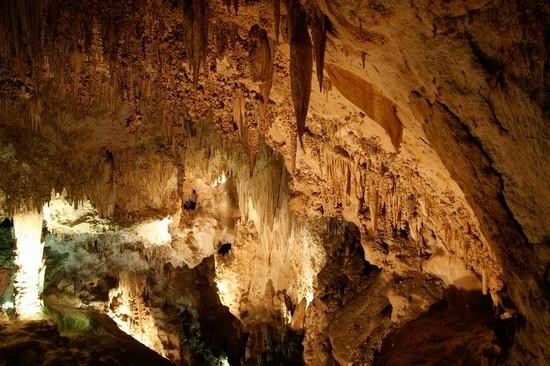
(301, 64)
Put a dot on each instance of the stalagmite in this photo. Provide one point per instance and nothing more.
(29, 277)
(301, 64)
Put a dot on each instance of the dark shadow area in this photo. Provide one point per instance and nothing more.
(346, 282)
(224, 249)
(460, 330)
(271, 344)
(103, 344)
(191, 203)
(209, 331)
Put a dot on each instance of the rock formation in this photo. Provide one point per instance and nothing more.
(158, 140)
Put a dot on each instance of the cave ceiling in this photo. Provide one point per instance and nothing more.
(152, 133)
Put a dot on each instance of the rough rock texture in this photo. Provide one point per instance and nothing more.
(40, 343)
(435, 337)
(181, 118)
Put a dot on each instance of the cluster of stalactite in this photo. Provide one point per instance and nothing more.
(128, 309)
(385, 204)
(266, 224)
(141, 178)
(118, 67)
(105, 72)
(117, 271)
(302, 51)
(195, 26)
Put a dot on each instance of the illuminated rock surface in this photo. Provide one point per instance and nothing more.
(275, 182)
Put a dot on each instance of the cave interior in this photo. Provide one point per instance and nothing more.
(266, 182)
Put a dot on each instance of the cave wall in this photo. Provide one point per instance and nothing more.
(429, 134)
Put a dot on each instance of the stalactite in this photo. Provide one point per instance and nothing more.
(264, 217)
(195, 25)
(130, 312)
(341, 174)
(234, 3)
(319, 24)
(23, 35)
(35, 113)
(328, 88)
(484, 286)
(249, 132)
(252, 146)
(276, 18)
(226, 36)
(239, 113)
(261, 60)
(301, 64)
(293, 144)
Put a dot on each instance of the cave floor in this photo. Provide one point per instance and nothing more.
(40, 342)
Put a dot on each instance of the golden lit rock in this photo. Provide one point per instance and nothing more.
(155, 207)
